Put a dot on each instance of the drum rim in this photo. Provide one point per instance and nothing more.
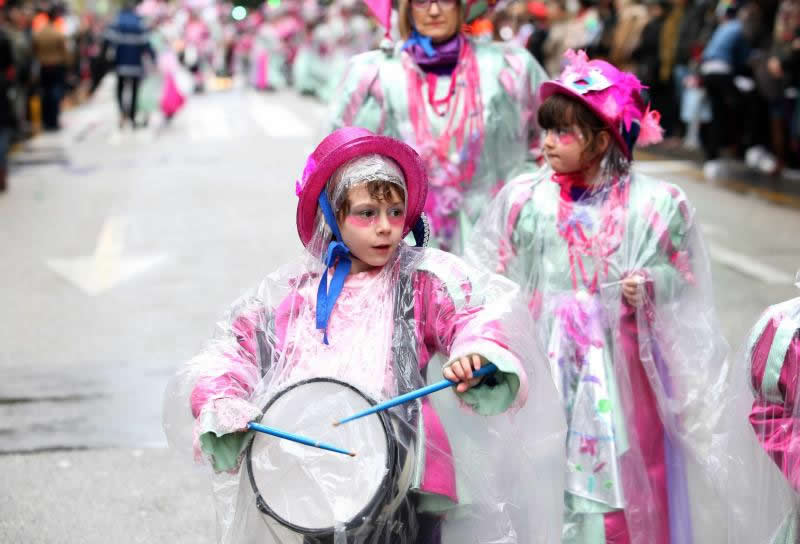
(384, 487)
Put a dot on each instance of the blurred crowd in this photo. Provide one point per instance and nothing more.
(724, 75)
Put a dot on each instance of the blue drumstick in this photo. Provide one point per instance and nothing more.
(296, 438)
(421, 392)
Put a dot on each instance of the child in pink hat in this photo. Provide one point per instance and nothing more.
(364, 307)
(613, 270)
(767, 405)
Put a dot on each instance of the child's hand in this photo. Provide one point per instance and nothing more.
(633, 289)
(461, 370)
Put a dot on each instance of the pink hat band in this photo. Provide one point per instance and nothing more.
(349, 143)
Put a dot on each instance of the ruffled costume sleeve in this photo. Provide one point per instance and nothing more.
(219, 384)
(774, 371)
(457, 322)
(359, 100)
(664, 252)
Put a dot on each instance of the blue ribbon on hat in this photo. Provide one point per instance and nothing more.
(337, 254)
(423, 41)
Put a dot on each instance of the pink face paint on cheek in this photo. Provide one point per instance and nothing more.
(397, 220)
(359, 221)
(568, 138)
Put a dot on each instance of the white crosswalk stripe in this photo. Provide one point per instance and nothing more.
(276, 120)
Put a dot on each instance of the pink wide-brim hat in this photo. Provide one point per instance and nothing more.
(613, 95)
(349, 143)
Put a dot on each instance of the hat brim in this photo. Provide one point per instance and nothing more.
(408, 160)
(549, 88)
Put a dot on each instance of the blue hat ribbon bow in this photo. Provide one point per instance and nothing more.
(338, 256)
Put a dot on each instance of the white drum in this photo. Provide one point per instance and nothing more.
(314, 492)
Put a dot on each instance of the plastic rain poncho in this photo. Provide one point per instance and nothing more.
(472, 143)
(643, 387)
(485, 466)
(765, 470)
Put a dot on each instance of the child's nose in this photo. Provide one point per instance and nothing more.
(383, 223)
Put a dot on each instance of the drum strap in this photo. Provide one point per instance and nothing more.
(406, 365)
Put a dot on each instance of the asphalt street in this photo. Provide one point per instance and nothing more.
(119, 252)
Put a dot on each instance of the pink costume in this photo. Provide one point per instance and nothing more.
(643, 386)
(384, 332)
(766, 509)
(438, 326)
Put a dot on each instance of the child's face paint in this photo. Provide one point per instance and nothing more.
(563, 149)
(372, 229)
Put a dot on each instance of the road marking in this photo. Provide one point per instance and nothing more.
(107, 267)
(748, 266)
(275, 120)
(208, 122)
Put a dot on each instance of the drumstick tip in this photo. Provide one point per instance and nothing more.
(336, 423)
(351, 454)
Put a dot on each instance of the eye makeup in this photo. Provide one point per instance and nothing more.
(366, 217)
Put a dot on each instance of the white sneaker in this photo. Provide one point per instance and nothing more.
(753, 156)
(712, 169)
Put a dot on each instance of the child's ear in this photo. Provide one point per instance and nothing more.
(603, 141)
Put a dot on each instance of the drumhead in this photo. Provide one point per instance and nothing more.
(313, 491)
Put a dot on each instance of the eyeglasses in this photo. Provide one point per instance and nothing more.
(426, 4)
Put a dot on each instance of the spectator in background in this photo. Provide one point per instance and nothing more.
(632, 18)
(646, 55)
(579, 30)
(695, 29)
(131, 42)
(724, 57)
(7, 120)
(668, 99)
(780, 67)
(540, 19)
(19, 33)
(50, 50)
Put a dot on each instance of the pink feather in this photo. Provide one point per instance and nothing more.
(650, 131)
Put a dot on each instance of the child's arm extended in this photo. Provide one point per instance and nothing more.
(226, 375)
(465, 317)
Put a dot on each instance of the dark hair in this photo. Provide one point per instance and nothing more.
(380, 190)
(562, 112)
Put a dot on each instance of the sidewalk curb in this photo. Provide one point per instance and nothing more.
(738, 177)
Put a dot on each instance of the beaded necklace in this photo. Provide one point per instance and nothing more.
(608, 235)
(464, 127)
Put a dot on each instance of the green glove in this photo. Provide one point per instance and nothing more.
(226, 450)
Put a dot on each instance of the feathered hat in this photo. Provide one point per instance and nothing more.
(613, 95)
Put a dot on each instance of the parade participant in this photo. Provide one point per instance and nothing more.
(467, 107)
(268, 62)
(129, 39)
(372, 314)
(767, 509)
(615, 274)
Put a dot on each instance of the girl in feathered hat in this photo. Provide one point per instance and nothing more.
(365, 308)
(615, 274)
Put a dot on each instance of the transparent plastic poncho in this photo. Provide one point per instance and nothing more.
(642, 382)
(485, 466)
(765, 467)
